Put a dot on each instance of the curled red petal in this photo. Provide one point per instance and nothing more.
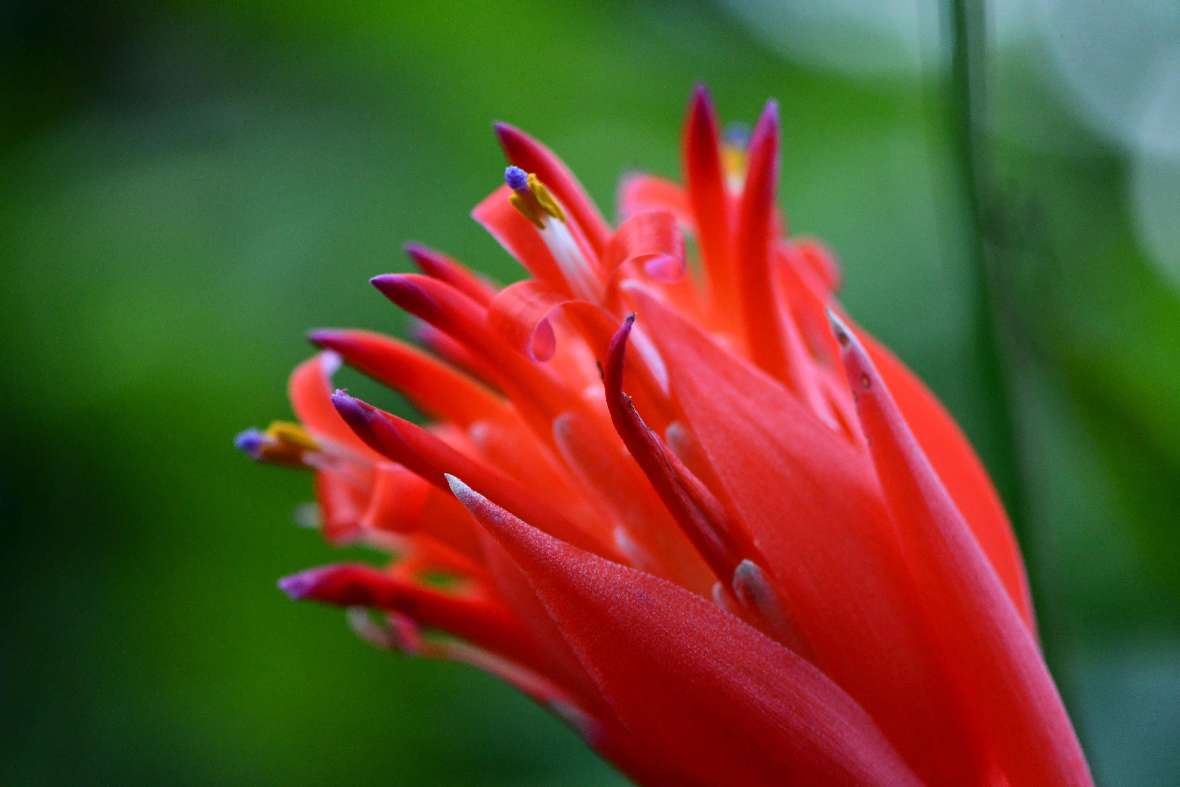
(536, 394)
(651, 242)
(700, 515)
(521, 314)
(639, 193)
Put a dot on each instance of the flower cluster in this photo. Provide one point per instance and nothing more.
(678, 498)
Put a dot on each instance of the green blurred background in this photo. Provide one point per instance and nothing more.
(188, 186)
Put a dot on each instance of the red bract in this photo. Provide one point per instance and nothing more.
(680, 503)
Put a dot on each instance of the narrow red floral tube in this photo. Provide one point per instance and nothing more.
(727, 542)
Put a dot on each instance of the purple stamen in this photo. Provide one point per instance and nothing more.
(516, 178)
(737, 135)
(250, 442)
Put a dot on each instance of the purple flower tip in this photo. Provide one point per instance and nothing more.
(516, 178)
(391, 284)
(351, 409)
(250, 442)
(320, 336)
(298, 586)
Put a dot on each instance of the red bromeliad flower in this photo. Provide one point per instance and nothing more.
(732, 542)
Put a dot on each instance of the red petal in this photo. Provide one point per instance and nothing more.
(439, 266)
(465, 614)
(521, 314)
(396, 499)
(452, 351)
(518, 236)
(536, 394)
(429, 457)
(436, 389)
(820, 260)
(960, 471)
(652, 539)
(994, 661)
(709, 698)
(531, 156)
(705, 184)
(310, 390)
(809, 501)
(639, 193)
(650, 241)
(342, 502)
(700, 515)
(530, 316)
(754, 243)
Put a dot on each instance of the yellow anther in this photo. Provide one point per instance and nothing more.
(292, 433)
(545, 198)
(535, 202)
(733, 161)
(284, 443)
(528, 208)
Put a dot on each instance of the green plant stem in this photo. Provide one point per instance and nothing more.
(998, 352)
(968, 111)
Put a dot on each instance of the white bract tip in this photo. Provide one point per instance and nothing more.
(841, 331)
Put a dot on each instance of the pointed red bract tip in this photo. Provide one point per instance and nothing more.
(345, 585)
(701, 99)
(439, 266)
(763, 161)
(767, 121)
(300, 586)
(417, 252)
(465, 494)
(396, 286)
(354, 412)
(993, 659)
(761, 315)
(704, 182)
(326, 338)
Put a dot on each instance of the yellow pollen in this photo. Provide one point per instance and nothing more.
(286, 443)
(733, 161)
(545, 198)
(536, 203)
(292, 433)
